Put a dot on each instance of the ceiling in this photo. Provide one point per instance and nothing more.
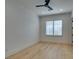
(57, 5)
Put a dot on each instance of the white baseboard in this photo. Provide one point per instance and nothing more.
(20, 49)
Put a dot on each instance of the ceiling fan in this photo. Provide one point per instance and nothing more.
(45, 5)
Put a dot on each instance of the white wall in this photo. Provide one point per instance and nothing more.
(67, 28)
(21, 28)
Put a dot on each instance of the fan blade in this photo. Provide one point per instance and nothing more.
(40, 5)
(47, 2)
(49, 7)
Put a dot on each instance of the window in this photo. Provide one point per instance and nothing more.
(54, 28)
(49, 28)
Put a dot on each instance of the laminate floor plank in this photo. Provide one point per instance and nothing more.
(45, 51)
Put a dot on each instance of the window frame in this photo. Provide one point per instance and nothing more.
(53, 29)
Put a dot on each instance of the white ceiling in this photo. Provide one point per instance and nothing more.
(57, 5)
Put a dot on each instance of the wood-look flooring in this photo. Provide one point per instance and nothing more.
(45, 51)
